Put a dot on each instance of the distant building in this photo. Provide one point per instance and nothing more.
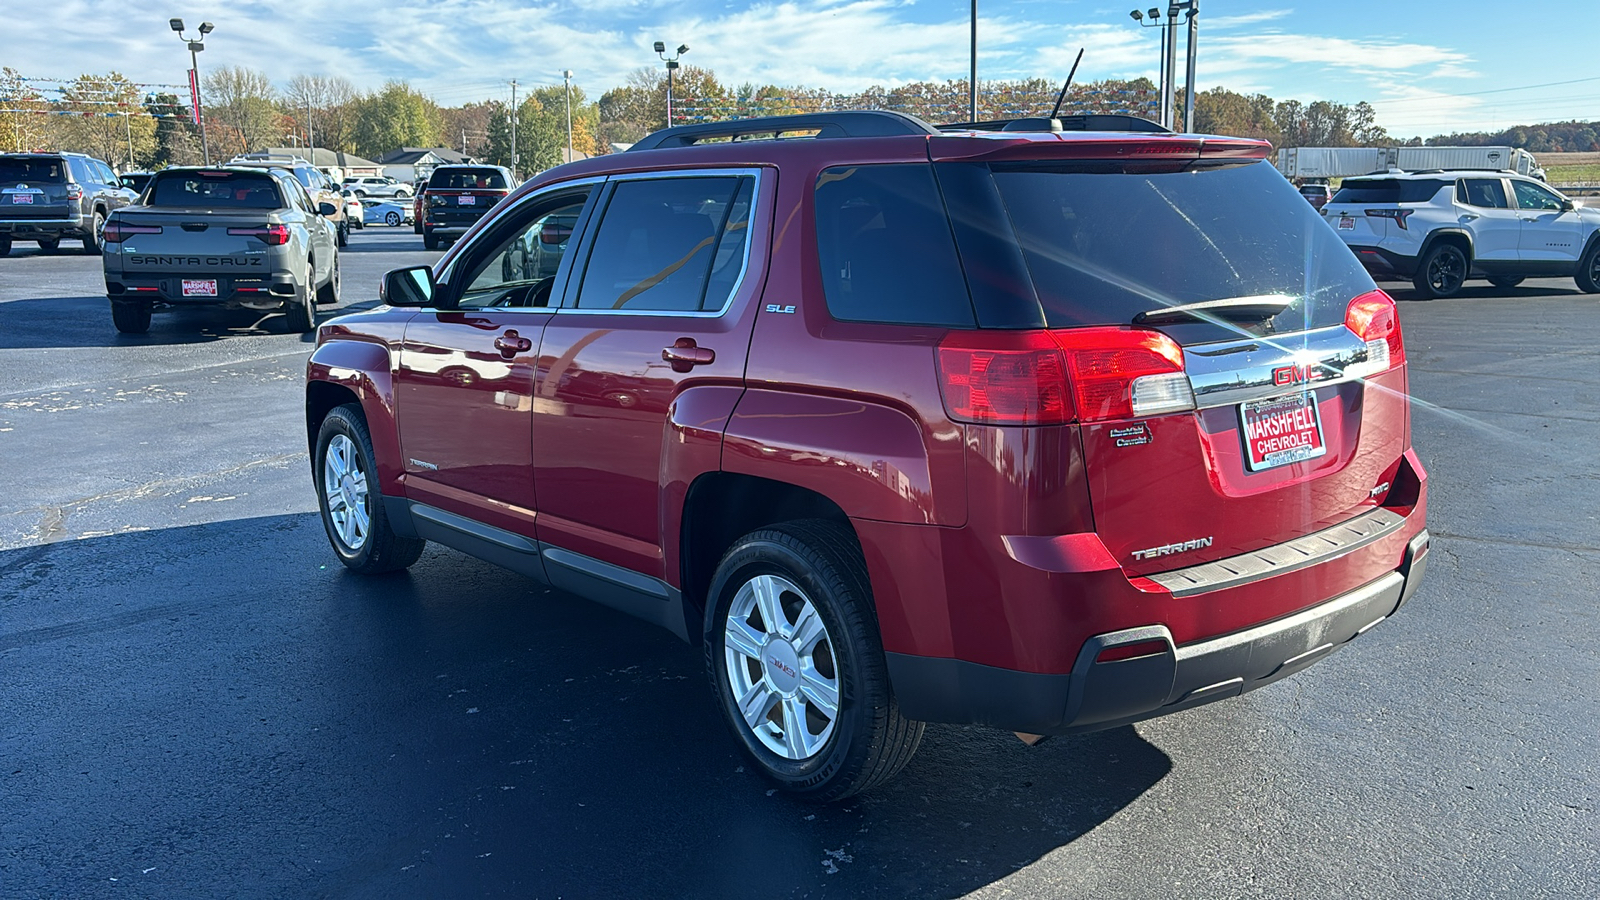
(415, 164)
(338, 165)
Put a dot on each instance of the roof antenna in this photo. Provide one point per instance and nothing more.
(1063, 94)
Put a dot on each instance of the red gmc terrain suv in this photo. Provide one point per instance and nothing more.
(1050, 425)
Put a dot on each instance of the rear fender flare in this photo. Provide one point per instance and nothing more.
(364, 369)
(869, 459)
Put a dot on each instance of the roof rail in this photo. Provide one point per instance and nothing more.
(1083, 122)
(844, 123)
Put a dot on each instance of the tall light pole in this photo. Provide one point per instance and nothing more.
(567, 74)
(972, 81)
(672, 66)
(1169, 59)
(195, 46)
(513, 129)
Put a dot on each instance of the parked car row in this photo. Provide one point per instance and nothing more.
(51, 197)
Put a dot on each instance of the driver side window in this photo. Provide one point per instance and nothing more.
(520, 270)
(1532, 196)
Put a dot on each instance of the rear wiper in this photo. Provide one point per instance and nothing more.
(1231, 309)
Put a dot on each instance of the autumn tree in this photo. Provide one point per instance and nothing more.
(243, 104)
(110, 122)
(395, 117)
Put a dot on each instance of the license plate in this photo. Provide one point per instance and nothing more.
(468, 200)
(1281, 431)
(21, 198)
(1346, 223)
(199, 287)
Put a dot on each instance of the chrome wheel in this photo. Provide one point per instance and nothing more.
(344, 490)
(781, 667)
(391, 218)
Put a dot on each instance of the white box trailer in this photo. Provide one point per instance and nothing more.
(1343, 162)
(1495, 158)
(1331, 162)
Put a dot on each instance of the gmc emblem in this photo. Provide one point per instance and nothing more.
(1287, 375)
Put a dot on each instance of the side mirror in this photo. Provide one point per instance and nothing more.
(327, 209)
(408, 287)
(1567, 205)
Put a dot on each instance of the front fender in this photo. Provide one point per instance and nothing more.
(365, 369)
(869, 459)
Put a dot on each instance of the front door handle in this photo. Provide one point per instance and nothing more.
(511, 343)
(685, 355)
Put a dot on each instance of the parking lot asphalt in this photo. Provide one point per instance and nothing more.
(198, 701)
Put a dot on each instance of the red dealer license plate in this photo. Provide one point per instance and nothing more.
(21, 198)
(199, 287)
(467, 200)
(1281, 431)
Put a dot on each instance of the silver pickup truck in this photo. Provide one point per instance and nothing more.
(232, 237)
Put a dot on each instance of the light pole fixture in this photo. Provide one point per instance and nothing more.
(567, 74)
(195, 46)
(972, 78)
(672, 66)
(1169, 57)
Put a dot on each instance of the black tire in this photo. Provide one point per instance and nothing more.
(392, 219)
(5, 245)
(380, 550)
(130, 317)
(416, 227)
(1588, 275)
(1442, 272)
(430, 240)
(343, 234)
(1506, 281)
(300, 316)
(328, 294)
(51, 247)
(94, 244)
(870, 741)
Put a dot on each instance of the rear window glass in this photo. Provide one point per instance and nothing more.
(465, 179)
(1103, 245)
(1388, 190)
(47, 170)
(887, 254)
(1314, 190)
(218, 190)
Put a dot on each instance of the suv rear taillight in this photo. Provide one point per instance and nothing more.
(1054, 377)
(74, 192)
(1398, 215)
(1375, 319)
(272, 235)
(116, 232)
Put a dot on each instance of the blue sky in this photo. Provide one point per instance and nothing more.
(1428, 67)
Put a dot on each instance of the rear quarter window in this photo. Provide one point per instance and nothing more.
(886, 250)
(214, 190)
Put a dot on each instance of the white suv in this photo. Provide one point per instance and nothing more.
(384, 186)
(1440, 228)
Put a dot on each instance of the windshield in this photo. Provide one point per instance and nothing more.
(31, 169)
(1104, 244)
(218, 190)
(465, 179)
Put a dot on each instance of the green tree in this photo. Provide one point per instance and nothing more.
(395, 117)
(111, 123)
(241, 111)
(177, 140)
(27, 128)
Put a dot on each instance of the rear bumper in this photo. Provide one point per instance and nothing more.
(49, 229)
(253, 292)
(1166, 679)
(1383, 262)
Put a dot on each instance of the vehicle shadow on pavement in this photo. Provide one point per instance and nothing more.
(224, 703)
(51, 322)
(1481, 290)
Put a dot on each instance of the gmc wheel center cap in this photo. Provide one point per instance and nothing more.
(782, 666)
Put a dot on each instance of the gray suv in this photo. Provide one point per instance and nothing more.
(45, 197)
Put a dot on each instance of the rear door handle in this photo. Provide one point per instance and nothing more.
(685, 355)
(511, 343)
